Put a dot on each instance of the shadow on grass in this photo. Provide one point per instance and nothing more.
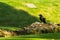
(9, 16)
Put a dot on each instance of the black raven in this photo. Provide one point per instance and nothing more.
(42, 19)
(58, 24)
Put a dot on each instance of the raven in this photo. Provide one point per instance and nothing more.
(42, 19)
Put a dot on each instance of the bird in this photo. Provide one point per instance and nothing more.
(42, 19)
(58, 24)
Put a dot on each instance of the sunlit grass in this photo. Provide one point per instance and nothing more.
(25, 39)
(45, 7)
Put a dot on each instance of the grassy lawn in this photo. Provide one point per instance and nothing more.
(15, 13)
(49, 36)
(45, 7)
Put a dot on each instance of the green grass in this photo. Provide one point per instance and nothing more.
(15, 13)
(45, 7)
(9, 16)
(48, 36)
(9, 28)
(44, 36)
